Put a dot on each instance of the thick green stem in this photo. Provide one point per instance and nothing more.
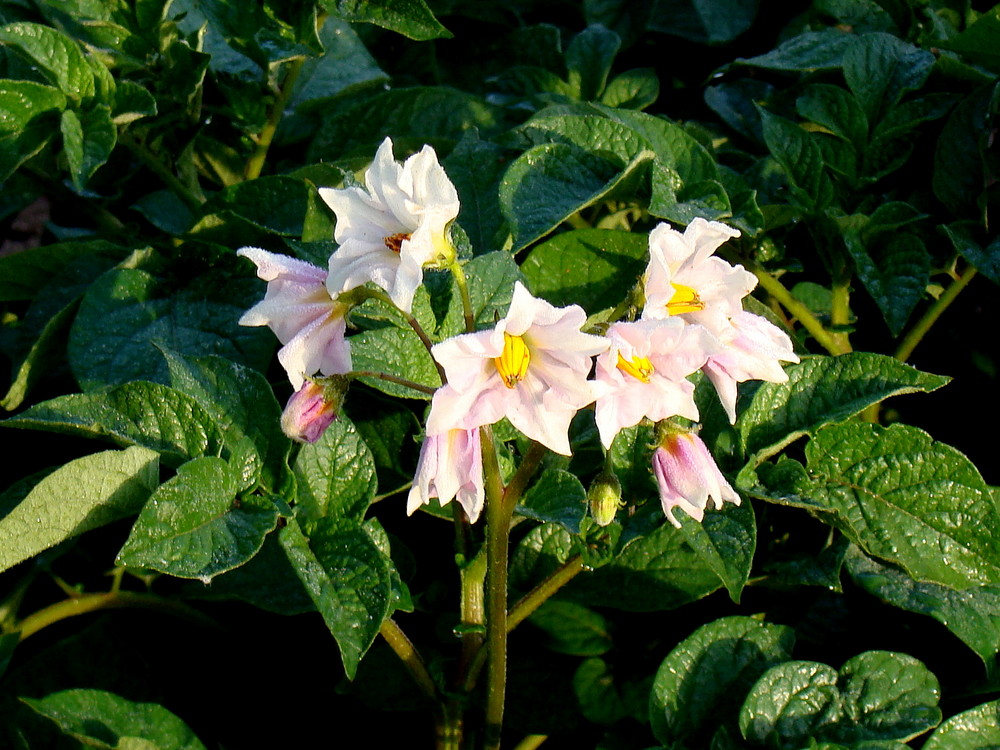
(85, 603)
(398, 642)
(178, 188)
(810, 322)
(497, 540)
(531, 742)
(544, 590)
(840, 311)
(262, 144)
(929, 318)
(463, 288)
(392, 379)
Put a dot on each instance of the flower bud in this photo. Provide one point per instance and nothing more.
(688, 477)
(604, 497)
(312, 408)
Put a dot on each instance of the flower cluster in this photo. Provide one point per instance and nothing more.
(533, 367)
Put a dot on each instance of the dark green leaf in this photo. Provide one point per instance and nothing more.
(475, 167)
(960, 156)
(978, 41)
(572, 628)
(588, 59)
(975, 729)
(411, 18)
(725, 540)
(703, 21)
(880, 68)
(633, 89)
(801, 158)
(397, 352)
(58, 57)
(491, 280)
(336, 474)
(586, 266)
(84, 494)
(836, 109)
(705, 678)
(809, 51)
(821, 390)
(557, 497)
(194, 526)
(100, 719)
(973, 614)
(29, 120)
(345, 63)
(42, 355)
(985, 259)
(347, 578)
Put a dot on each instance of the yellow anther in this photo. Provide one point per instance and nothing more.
(685, 300)
(395, 242)
(639, 368)
(512, 364)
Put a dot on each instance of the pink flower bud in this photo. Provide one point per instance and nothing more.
(688, 477)
(309, 412)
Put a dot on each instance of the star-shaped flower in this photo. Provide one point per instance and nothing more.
(305, 318)
(394, 227)
(531, 368)
(644, 373)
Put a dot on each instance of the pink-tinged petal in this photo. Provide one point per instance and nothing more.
(688, 477)
(706, 237)
(752, 348)
(302, 314)
(308, 413)
(450, 467)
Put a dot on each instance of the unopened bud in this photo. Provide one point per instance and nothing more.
(313, 408)
(605, 498)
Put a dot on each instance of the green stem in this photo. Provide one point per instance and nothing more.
(255, 164)
(810, 322)
(178, 188)
(515, 488)
(414, 663)
(531, 742)
(463, 288)
(497, 540)
(544, 590)
(929, 318)
(85, 603)
(390, 493)
(392, 379)
(840, 311)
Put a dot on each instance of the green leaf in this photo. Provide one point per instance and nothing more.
(588, 59)
(572, 628)
(242, 405)
(87, 142)
(877, 695)
(596, 692)
(59, 58)
(973, 614)
(985, 259)
(137, 413)
(345, 63)
(347, 578)
(821, 390)
(100, 719)
(132, 102)
(84, 494)
(491, 280)
(547, 184)
(410, 18)
(585, 266)
(275, 203)
(703, 21)
(336, 474)
(705, 678)
(801, 158)
(43, 355)
(975, 729)
(557, 497)
(127, 311)
(835, 109)
(27, 121)
(396, 352)
(960, 158)
(633, 89)
(905, 498)
(725, 540)
(476, 167)
(805, 53)
(195, 526)
(879, 68)
(978, 41)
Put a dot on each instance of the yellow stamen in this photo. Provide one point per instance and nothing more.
(395, 242)
(685, 300)
(639, 368)
(512, 364)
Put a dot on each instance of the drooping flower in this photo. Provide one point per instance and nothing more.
(450, 467)
(644, 373)
(305, 318)
(394, 227)
(531, 368)
(685, 280)
(688, 477)
(311, 410)
(750, 350)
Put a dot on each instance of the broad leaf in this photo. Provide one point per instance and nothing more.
(336, 474)
(975, 729)
(557, 497)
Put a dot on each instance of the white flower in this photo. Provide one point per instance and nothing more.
(688, 477)
(684, 278)
(531, 368)
(300, 311)
(751, 349)
(450, 466)
(643, 373)
(394, 227)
